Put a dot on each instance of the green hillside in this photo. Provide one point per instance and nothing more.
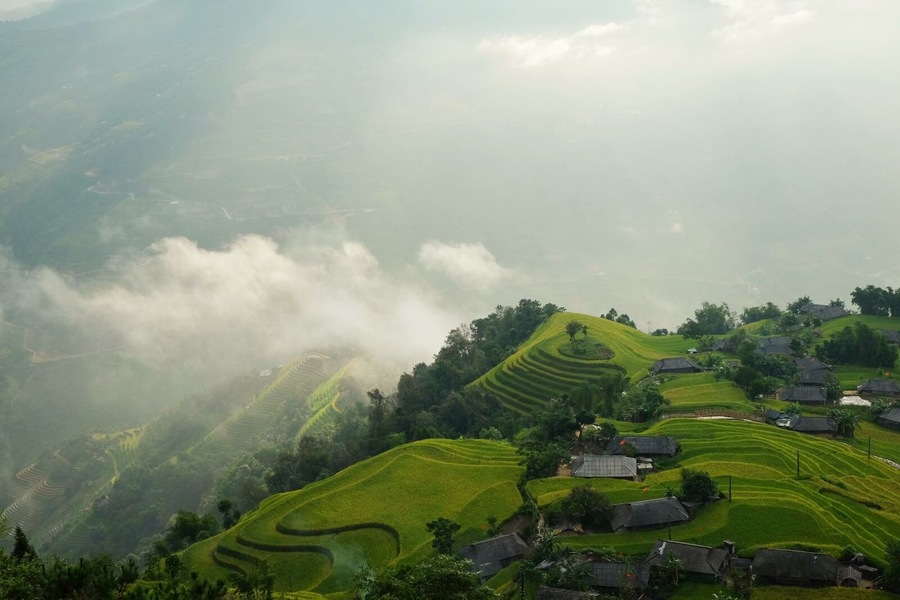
(374, 513)
(539, 370)
(840, 498)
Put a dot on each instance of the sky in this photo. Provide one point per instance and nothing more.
(637, 154)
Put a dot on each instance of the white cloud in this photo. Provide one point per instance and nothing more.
(471, 265)
(251, 303)
(539, 50)
(750, 21)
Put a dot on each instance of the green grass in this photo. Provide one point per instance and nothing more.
(771, 507)
(539, 371)
(372, 513)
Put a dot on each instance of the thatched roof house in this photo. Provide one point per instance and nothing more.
(492, 555)
(811, 363)
(879, 387)
(889, 418)
(803, 395)
(610, 576)
(824, 312)
(647, 514)
(644, 445)
(679, 364)
(699, 560)
(794, 567)
(601, 465)
(813, 425)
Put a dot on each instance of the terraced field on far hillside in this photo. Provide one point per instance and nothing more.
(538, 371)
(374, 513)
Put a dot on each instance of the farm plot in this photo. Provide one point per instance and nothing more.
(372, 513)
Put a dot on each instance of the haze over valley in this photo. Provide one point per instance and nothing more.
(204, 205)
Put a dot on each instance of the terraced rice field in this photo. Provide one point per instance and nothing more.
(538, 371)
(294, 381)
(841, 497)
(323, 403)
(33, 490)
(372, 513)
(695, 391)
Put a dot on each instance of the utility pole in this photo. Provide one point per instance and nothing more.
(729, 488)
(870, 447)
(670, 530)
(798, 464)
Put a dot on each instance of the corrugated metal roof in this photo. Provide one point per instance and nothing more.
(645, 445)
(602, 465)
(647, 513)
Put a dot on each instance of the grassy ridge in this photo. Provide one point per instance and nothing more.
(372, 513)
(830, 506)
(539, 371)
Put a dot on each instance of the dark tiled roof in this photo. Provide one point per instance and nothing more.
(702, 560)
(489, 554)
(812, 377)
(645, 445)
(807, 394)
(890, 416)
(772, 349)
(601, 465)
(679, 363)
(773, 414)
(813, 424)
(796, 565)
(545, 593)
(617, 575)
(891, 335)
(647, 513)
(782, 340)
(810, 363)
(879, 386)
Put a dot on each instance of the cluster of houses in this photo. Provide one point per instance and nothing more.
(702, 563)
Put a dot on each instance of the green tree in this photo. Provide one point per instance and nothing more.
(443, 531)
(752, 314)
(573, 328)
(859, 345)
(796, 305)
(570, 573)
(586, 505)
(697, 486)
(709, 319)
(871, 300)
(672, 570)
(443, 577)
(845, 420)
(892, 570)
(22, 548)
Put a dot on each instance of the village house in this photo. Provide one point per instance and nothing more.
(803, 395)
(776, 345)
(492, 555)
(823, 426)
(701, 561)
(651, 446)
(602, 465)
(612, 577)
(892, 336)
(889, 418)
(823, 312)
(811, 363)
(647, 514)
(675, 365)
(795, 567)
(879, 387)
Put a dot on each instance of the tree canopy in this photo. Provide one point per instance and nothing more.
(709, 319)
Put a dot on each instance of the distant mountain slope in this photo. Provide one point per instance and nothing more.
(372, 513)
(538, 371)
(75, 500)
